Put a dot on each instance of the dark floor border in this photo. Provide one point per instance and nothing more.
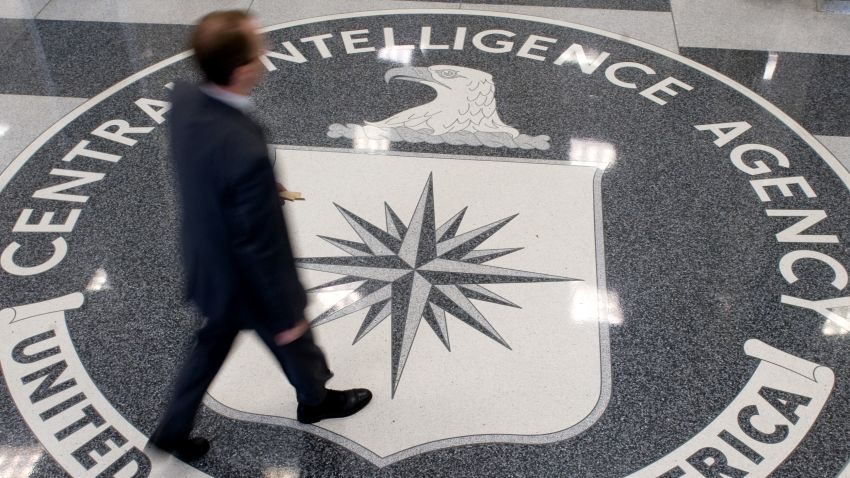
(645, 5)
(77, 58)
(811, 88)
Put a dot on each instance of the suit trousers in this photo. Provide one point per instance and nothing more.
(301, 360)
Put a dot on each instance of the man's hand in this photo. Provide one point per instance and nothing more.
(291, 335)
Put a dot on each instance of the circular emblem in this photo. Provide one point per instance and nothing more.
(547, 249)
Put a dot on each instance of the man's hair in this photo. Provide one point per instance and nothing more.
(221, 44)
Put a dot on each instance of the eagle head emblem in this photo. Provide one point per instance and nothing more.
(463, 113)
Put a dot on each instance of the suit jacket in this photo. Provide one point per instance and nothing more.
(237, 256)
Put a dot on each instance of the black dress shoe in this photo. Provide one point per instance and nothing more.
(189, 450)
(336, 405)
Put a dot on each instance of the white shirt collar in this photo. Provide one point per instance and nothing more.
(240, 102)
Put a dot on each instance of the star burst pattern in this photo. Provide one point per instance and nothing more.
(416, 271)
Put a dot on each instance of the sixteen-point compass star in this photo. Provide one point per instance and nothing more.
(417, 271)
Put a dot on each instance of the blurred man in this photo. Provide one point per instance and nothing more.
(239, 266)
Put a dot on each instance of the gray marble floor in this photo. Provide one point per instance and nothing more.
(783, 25)
(653, 27)
(24, 117)
(632, 263)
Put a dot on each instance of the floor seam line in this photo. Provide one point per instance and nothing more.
(675, 30)
(41, 10)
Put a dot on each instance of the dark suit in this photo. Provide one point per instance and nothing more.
(238, 262)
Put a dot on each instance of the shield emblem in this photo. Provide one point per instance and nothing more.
(466, 292)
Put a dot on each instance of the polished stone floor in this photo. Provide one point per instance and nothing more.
(634, 218)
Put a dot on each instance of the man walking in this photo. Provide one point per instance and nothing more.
(239, 266)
